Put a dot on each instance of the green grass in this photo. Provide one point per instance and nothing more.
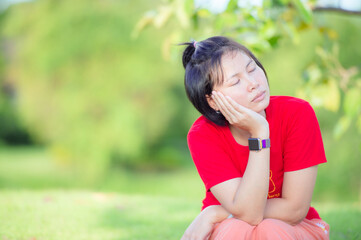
(344, 219)
(77, 215)
(41, 201)
(92, 215)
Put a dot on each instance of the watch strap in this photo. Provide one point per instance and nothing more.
(266, 143)
(256, 144)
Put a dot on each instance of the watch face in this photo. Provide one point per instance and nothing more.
(254, 144)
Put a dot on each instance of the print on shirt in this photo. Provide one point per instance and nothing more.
(272, 187)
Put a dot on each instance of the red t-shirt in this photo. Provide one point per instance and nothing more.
(296, 143)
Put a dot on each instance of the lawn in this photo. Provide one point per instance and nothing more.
(41, 203)
(77, 215)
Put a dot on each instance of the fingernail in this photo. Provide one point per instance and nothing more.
(214, 92)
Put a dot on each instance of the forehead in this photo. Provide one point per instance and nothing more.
(234, 59)
(231, 62)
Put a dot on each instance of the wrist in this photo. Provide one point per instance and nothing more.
(216, 213)
(257, 144)
(262, 134)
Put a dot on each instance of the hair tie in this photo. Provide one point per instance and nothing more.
(195, 44)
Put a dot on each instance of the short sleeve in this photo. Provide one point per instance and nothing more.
(211, 157)
(303, 145)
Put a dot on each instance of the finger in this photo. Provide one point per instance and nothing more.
(227, 104)
(220, 104)
(238, 107)
(234, 114)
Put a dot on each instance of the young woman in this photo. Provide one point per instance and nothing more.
(256, 154)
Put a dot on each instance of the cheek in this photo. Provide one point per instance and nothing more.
(236, 94)
(261, 76)
(258, 74)
(241, 97)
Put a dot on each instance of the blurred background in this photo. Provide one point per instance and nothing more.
(93, 107)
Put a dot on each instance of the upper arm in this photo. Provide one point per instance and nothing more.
(225, 192)
(298, 188)
(302, 143)
(211, 157)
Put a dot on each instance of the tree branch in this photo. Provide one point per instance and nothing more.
(338, 10)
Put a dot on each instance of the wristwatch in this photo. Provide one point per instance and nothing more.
(256, 144)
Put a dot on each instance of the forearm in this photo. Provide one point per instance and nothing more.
(285, 210)
(251, 196)
(245, 198)
(217, 213)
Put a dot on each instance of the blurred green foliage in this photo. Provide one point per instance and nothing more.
(312, 55)
(97, 97)
(96, 88)
(11, 130)
(327, 83)
(80, 77)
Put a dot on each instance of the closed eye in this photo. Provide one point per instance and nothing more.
(252, 67)
(235, 83)
(252, 70)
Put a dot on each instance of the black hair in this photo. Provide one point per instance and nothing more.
(203, 70)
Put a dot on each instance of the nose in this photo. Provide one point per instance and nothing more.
(252, 84)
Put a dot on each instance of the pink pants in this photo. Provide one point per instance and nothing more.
(232, 229)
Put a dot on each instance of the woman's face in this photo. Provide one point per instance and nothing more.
(244, 81)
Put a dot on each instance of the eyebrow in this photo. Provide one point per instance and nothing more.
(250, 61)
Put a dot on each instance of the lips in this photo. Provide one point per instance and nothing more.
(259, 97)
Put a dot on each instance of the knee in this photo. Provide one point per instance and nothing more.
(269, 225)
(271, 228)
(232, 228)
(237, 223)
(268, 222)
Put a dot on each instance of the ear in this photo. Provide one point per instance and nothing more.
(212, 103)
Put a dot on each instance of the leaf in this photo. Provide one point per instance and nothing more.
(341, 126)
(332, 34)
(292, 32)
(358, 123)
(181, 14)
(284, 1)
(352, 102)
(168, 43)
(145, 21)
(332, 98)
(267, 4)
(313, 74)
(163, 15)
(268, 30)
(273, 41)
(232, 6)
(303, 10)
(189, 6)
(321, 53)
(326, 95)
(204, 13)
(195, 21)
(229, 19)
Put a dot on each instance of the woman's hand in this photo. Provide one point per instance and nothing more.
(202, 226)
(240, 116)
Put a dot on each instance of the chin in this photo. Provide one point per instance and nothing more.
(262, 105)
